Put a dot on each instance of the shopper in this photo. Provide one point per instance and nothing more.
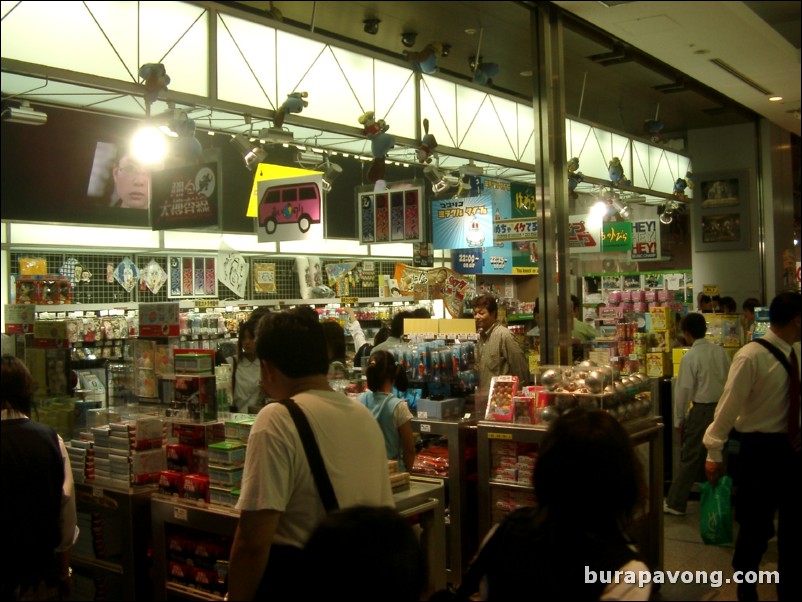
(245, 372)
(582, 331)
(574, 532)
(378, 543)
(700, 382)
(279, 502)
(704, 303)
(727, 305)
(748, 319)
(497, 351)
(396, 332)
(393, 415)
(355, 328)
(40, 523)
(761, 401)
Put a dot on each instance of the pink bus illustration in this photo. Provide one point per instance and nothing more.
(290, 204)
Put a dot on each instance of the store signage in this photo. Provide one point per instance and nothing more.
(462, 222)
(616, 236)
(264, 277)
(290, 208)
(467, 261)
(390, 216)
(507, 230)
(234, 270)
(422, 255)
(584, 234)
(645, 240)
(185, 197)
(436, 283)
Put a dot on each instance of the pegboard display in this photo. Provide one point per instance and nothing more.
(100, 277)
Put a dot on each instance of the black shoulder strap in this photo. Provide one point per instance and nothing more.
(776, 353)
(313, 456)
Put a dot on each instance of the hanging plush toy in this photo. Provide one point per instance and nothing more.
(653, 127)
(689, 179)
(679, 188)
(295, 103)
(155, 81)
(574, 177)
(427, 146)
(425, 61)
(380, 143)
(485, 73)
(616, 171)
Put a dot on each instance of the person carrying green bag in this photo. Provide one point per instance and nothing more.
(715, 512)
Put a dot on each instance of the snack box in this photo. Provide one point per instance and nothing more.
(225, 475)
(661, 318)
(499, 401)
(227, 453)
(193, 363)
(658, 364)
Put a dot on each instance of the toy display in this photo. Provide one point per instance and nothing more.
(375, 130)
(427, 146)
(295, 103)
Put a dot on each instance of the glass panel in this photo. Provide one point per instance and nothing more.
(438, 105)
(395, 98)
(246, 62)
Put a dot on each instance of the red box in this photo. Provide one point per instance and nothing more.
(199, 435)
(171, 482)
(196, 487)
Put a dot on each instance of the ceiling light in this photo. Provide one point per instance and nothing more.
(469, 169)
(371, 26)
(775, 98)
(666, 212)
(148, 145)
(25, 113)
(252, 154)
(309, 159)
(333, 171)
(622, 208)
(408, 38)
(436, 177)
(446, 50)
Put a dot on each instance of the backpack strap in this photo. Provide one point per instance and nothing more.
(776, 353)
(313, 456)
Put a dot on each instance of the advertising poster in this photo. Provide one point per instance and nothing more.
(264, 277)
(584, 236)
(616, 236)
(645, 240)
(390, 216)
(290, 208)
(436, 283)
(514, 229)
(467, 261)
(462, 222)
(185, 197)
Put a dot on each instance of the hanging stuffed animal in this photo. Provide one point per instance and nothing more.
(616, 171)
(485, 73)
(679, 188)
(574, 177)
(427, 146)
(295, 103)
(425, 61)
(653, 127)
(689, 179)
(155, 79)
(380, 143)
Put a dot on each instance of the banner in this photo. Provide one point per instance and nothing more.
(436, 283)
(645, 240)
(584, 235)
(391, 216)
(290, 208)
(233, 271)
(462, 222)
(185, 197)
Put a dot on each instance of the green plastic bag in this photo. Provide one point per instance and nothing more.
(715, 517)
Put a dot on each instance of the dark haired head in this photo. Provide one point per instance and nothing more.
(382, 367)
(575, 302)
(727, 305)
(18, 385)
(695, 324)
(750, 304)
(248, 326)
(586, 451)
(397, 325)
(293, 341)
(487, 301)
(381, 335)
(391, 562)
(784, 308)
(335, 339)
(421, 313)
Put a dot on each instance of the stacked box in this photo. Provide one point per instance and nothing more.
(658, 364)
(443, 408)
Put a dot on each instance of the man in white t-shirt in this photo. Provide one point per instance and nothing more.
(279, 502)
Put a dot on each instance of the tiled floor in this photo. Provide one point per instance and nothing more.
(684, 551)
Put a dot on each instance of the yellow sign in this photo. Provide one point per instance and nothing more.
(266, 171)
(503, 436)
(349, 300)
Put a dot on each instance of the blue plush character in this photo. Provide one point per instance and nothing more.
(653, 127)
(679, 188)
(295, 103)
(616, 171)
(425, 61)
(156, 80)
(689, 179)
(485, 73)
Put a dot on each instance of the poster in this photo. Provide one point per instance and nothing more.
(462, 222)
(391, 216)
(234, 270)
(185, 197)
(584, 235)
(290, 208)
(264, 277)
(436, 283)
(645, 240)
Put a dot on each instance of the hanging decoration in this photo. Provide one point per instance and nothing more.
(153, 276)
(295, 103)
(375, 130)
(427, 146)
(425, 61)
(155, 82)
(126, 274)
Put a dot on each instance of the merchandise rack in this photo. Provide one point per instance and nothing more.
(646, 435)
(460, 489)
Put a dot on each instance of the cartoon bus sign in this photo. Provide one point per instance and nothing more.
(290, 209)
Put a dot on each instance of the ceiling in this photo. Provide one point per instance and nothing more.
(617, 54)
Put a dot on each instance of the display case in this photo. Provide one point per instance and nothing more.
(503, 488)
(179, 526)
(111, 559)
(459, 475)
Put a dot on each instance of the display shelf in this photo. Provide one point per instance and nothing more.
(129, 509)
(423, 503)
(646, 435)
(460, 488)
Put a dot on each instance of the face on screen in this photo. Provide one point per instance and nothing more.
(132, 183)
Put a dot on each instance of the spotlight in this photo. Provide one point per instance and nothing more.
(472, 62)
(252, 154)
(446, 50)
(408, 38)
(666, 212)
(333, 171)
(469, 169)
(436, 177)
(25, 113)
(371, 26)
(148, 145)
(622, 208)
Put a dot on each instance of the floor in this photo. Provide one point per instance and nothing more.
(683, 550)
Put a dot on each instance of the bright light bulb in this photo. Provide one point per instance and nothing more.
(148, 145)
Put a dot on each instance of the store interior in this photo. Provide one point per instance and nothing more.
(591, 82)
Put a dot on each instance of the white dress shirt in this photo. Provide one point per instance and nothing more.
(701, 378)
(755, 398)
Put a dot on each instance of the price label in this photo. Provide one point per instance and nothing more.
(502, 436)
(349, 300)
(514, 229)
(180, 513)
(424, 415)
(97, 492)
(425, 428)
